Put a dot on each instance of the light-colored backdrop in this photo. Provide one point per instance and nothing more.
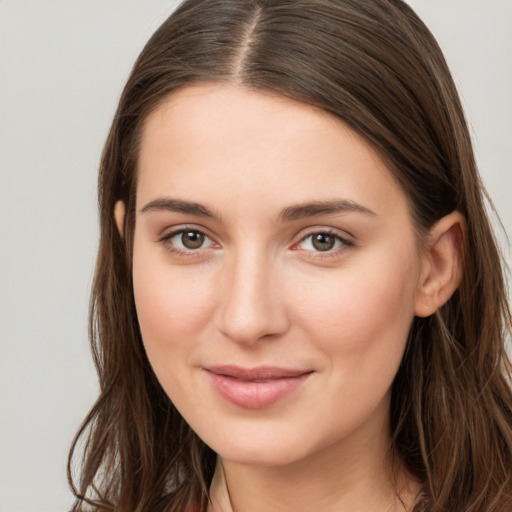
(62, 66)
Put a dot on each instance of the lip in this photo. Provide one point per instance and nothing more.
(255, 388)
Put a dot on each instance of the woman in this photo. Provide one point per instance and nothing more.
(298, 301)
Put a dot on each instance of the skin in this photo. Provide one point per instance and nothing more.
(258, 292)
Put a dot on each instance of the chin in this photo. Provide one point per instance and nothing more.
(259, 456)
(259, 448)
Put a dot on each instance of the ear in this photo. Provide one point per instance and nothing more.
(119, 211)
(442, 264)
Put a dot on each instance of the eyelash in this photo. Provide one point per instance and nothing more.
(166, 240)
(343, 242)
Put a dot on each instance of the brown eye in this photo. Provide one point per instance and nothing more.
(323, 241)
(192, 239)
(187, 241)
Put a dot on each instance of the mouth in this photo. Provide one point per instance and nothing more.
(255, 388)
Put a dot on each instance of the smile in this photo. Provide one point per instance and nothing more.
(255, 388)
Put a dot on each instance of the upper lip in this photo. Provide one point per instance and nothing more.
(258, 373)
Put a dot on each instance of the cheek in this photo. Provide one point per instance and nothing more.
(360, 323)
(173, 307)
(365, 312)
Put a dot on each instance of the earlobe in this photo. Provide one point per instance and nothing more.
(119, 212)
(442, 265)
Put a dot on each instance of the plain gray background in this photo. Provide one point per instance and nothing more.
(62, 66)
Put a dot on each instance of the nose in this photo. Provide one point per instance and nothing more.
(252, 305)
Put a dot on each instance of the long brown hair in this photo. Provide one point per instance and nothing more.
(376, 66)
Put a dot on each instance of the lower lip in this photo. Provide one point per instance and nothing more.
(255, 395)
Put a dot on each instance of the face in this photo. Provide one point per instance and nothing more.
(275, 271)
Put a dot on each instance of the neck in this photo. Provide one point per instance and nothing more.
(350, 476)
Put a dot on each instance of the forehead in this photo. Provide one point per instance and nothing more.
(218, 142)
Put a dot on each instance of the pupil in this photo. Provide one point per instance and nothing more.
(323, 242)
(192, 239)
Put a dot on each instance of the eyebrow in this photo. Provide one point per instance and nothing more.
(293, 212)
(179, 206)
(313, 209)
